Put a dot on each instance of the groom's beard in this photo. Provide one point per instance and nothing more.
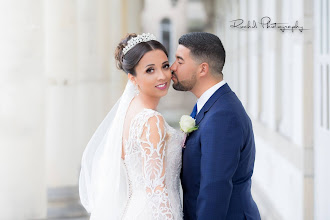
(184, 85)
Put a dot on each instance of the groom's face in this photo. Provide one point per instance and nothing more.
(184, 70)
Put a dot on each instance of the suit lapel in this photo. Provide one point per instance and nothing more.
(221, 91)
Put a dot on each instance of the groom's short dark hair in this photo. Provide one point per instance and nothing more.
(205, 47)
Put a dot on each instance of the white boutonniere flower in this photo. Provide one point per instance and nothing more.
(188, 124)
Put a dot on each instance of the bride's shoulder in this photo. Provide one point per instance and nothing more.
(151, 121)
(148, 115)
(147, 112)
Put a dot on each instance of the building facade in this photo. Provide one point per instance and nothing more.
(57, 83)
(282, 79)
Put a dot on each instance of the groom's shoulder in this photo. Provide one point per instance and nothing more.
(227, 106)
(222, 110)
(226, 102)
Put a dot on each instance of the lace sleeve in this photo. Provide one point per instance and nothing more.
(153, 143)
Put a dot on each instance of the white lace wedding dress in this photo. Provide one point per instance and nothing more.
(152, 164)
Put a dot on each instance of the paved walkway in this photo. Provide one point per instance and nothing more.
(64, 204)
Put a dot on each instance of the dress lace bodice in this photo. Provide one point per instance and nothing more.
(153, 164)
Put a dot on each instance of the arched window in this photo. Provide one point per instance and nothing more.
(166, 29)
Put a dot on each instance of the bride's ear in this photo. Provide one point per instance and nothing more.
(131, 78)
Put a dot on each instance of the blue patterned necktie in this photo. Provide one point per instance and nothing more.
(194, 112)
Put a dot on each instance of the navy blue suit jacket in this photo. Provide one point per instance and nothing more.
(218, 162)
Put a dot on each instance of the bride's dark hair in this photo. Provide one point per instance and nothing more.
(129, 61)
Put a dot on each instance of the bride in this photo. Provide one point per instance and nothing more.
(131, 167)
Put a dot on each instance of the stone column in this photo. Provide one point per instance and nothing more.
(118, 29)
(285, 125)
(94, 97)
(236, 55)
(22, 110)
(134, 10)
(61, 70)
(268, 60)
(253, 62)
(243, 52)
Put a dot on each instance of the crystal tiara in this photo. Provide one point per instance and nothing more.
(138, 39)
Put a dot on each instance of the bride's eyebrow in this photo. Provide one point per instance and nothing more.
(150, 65)
(154, 64)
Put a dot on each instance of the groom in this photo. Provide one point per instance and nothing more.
(218, 158)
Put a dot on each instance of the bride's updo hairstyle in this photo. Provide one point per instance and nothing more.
(127, 62)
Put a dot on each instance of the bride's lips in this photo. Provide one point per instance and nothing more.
(162, 86)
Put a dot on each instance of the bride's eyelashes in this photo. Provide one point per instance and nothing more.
(151, 69)
(166, 66)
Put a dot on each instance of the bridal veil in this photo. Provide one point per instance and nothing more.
(102, 183)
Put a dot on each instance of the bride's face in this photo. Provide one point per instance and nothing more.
(153, 75)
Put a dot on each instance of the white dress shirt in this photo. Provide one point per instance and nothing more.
(207, 94)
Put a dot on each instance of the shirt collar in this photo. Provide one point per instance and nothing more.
(207, 94)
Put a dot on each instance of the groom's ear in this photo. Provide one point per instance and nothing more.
(204, 69)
